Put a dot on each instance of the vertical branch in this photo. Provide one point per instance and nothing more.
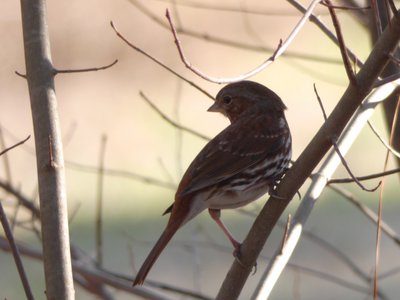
(393, 67)
(15, 252)
(342, 46)
(378, 225)
(99, 207)
(7, 169)
(49, 154)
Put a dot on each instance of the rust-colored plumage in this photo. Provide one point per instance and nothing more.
(239, 165)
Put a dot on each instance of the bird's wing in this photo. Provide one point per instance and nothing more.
(241, 145)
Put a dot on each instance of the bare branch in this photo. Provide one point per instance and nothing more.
(58, 71)
(278, 52)
(369, 213)
(334, 144)
(231, 43)
(220, 7)
(346, 166)
(14, 146)
(380, 208)
(362, 178)
(345, 7)
(170, 121)
(15, 252)
(120, 173)
(99, 203)
(308, 160)
(325, 29)
(159, 62)
(386, 144)
(342, 46)
(22, 199)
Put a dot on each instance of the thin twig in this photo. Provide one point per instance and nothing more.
(120, 173)
(345, 7)
(377, 18)
(22, 199)
(342, 46)
(15, 252)
(386, 144)
(58, 71)
(387, 79)
(232, 43)
(314, 19)
(362, 178)
(320, 102)
(7, 168)
(220, 7)
(159, 62)
(170, 121)
(334, 144)
(378, 225)
(91, 272)
(15, 145)
(278, 51)
(331, 248)
(369, 213)
(346, 166)
(99, 206)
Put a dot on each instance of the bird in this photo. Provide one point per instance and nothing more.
(239, 165)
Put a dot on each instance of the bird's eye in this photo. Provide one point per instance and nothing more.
(227, 100)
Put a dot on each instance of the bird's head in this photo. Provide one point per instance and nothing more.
(236, 98)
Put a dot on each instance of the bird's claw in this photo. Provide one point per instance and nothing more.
(236, 254)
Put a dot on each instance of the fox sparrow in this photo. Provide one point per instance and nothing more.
(239, 165)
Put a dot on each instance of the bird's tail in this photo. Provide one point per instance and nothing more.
(155, 253)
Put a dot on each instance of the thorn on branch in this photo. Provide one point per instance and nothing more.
(274, 55)
(286, 233)
(20, 74)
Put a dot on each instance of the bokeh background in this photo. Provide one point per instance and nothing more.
(107, 103)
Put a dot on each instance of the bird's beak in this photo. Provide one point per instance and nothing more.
(214, 108)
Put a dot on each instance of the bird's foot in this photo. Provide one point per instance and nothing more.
(237, 255)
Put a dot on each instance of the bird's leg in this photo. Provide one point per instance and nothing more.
(216, 216)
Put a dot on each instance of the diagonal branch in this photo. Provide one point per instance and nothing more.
(14, 146)
(308, 160)
(170, 121)
(15, 252)
(159, 62)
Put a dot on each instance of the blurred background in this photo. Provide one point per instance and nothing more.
(107, 104)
